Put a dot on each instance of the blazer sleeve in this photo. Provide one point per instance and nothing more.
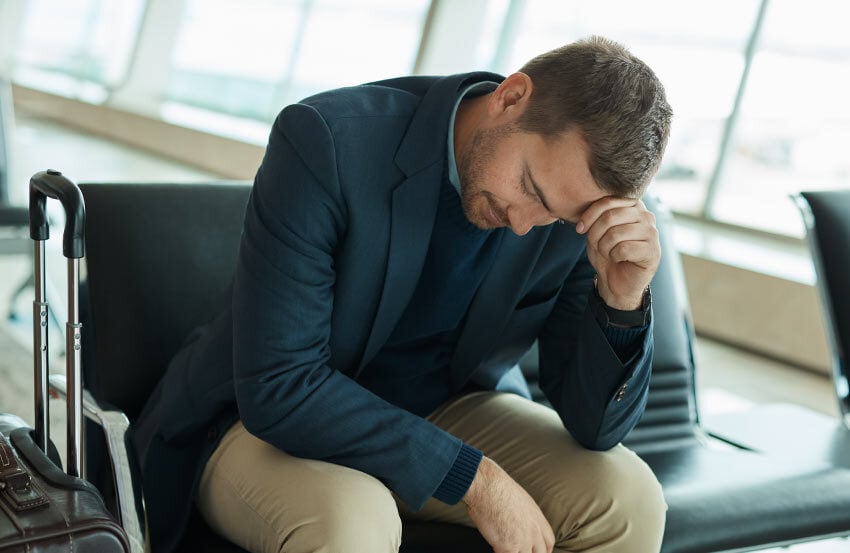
(581, 374)
(283, 298)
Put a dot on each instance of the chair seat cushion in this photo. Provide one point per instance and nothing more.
(728, 499)
(719, 499)
(787, 430)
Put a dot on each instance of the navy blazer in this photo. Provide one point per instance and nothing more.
(336, 233)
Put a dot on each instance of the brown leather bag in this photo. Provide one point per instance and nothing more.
(43, 510)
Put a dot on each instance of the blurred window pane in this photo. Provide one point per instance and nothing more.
(230, 54)
(348, 43)
(251, 57)
(793, 131)
(63, 43)
(695, 48)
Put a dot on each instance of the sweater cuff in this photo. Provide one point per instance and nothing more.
(625, 341)
(456, 483)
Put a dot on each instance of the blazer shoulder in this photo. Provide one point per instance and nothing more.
(362, 101)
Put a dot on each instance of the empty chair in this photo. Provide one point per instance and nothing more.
(827, 218)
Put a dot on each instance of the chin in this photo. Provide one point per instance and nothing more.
(476, 219)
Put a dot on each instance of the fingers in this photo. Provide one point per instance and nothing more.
(624, 248)
(614, 216)
(634, 242)
(600, 207)
(621, 230)
(548, 537)
(505, 514)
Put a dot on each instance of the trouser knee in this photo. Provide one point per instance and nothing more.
(620, 506)
(365, 522)
(267, 501)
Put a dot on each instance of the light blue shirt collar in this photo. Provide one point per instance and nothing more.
(479, 88)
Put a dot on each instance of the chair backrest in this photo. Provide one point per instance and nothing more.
(827, 218)
(671, 417)
(671, 414)
(160, 259)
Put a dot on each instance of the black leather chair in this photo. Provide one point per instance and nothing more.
(827, 218)
(159, 261)
(793, 431)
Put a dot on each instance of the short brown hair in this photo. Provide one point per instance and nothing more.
(614, 99)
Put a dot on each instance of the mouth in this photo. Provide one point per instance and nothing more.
(492, 218)
(492, 214)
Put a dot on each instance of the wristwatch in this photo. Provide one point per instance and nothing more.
(609, 316)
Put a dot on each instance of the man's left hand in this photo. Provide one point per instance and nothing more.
(623, 247)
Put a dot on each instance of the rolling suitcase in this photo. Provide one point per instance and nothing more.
(43, 509)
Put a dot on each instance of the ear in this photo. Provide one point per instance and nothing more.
(511, 97)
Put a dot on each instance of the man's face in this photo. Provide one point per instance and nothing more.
(511, 178)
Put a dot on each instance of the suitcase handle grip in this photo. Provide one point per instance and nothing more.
(52, 184)
(16, 484)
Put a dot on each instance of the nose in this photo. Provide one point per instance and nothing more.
(522, 219)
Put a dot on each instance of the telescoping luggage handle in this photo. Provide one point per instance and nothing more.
(43, 185)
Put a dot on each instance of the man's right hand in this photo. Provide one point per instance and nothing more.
(504, 513)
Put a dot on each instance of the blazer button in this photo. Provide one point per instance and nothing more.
(212, 433)
(621, 393)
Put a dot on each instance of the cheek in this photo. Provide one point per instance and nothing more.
(502, 179)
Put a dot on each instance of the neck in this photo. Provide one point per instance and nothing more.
(469, 115)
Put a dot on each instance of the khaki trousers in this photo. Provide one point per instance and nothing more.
(266, 501)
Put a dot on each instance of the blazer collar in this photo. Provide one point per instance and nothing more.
(425, 141)
(422, 157)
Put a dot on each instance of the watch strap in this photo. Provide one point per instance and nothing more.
(609, 316)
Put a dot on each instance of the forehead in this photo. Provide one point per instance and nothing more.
(560, 166)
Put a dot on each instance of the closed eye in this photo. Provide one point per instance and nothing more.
(535, 195)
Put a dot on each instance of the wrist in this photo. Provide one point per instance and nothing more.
(479, 483)
(620, 303)
(612, 316)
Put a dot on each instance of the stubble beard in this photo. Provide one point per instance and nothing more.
(474, 199)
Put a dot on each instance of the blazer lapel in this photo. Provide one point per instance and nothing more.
(421, 156)
(495, 300)
(414, 206)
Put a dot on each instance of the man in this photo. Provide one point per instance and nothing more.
(398, 258)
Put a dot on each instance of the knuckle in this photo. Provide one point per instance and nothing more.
(622, 250)
(653, 234)
(608, 217)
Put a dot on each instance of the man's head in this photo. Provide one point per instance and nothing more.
(613, 99)
(576, 124)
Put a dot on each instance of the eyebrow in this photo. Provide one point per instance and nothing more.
(537, 189)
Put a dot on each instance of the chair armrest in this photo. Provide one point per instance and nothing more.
(115, 425)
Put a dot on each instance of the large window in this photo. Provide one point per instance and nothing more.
(759, 87)
(231, 54)
(793, 129)
(251, 57)
(790, 130)
(77, 47)
(697, 50)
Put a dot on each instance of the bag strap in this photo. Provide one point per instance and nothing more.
(17, 487)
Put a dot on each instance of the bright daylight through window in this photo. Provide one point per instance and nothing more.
(759, 87)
